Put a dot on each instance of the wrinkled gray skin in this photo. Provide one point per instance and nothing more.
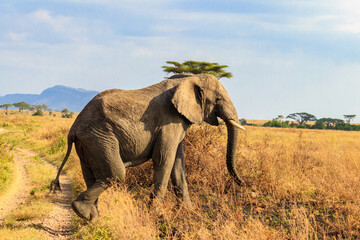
(124, 128)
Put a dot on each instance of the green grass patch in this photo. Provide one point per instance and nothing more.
(23, 234)
(36, 209)
(40, 174)
(38, 159)
(94, 232)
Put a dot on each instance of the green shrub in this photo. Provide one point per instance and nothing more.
(276, 123)
(38, 113)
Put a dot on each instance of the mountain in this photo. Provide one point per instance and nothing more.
(57, 98)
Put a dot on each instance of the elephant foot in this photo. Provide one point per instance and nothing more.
(81, 209)
(94, 213)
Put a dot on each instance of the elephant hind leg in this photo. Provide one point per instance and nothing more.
(85, 203)
(90, 181)
(101, 164)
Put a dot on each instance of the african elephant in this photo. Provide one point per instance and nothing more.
(124, 128)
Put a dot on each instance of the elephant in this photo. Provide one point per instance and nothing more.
(124, 128)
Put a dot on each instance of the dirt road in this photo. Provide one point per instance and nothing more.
(58, 224)
(18, 191)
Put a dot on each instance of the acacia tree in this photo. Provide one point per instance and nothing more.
(21, 105)
(349, 117)
(279, 118)
(6, 106)
(195, 67)
(44, 107)
(41, 107)
(302, 117)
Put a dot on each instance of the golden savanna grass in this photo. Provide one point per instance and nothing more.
(6, 168)
(298, 184)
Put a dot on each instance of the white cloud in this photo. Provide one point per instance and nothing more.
(348, 16)
(338, 16)
(70, 28)
(17, 36)
(59, 23)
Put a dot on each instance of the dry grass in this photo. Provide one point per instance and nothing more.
(6, 168)
(124, 218)
(299, 184)
(36, 209)
(23, 234)
(256, 121)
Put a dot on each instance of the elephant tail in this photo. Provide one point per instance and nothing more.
(55, 184)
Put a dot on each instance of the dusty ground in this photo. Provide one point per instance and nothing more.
(18, 190)
(3, 130)
(58, 224)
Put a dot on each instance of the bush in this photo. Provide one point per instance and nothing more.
(276, 123)
(67, 115)
(243, 121)
(38, 113)
(319, 125)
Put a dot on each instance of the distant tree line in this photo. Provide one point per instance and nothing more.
(300, 120)
(39, 109)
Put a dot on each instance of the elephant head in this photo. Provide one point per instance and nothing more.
(203, 98)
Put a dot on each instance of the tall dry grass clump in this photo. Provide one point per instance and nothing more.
(123, 218)
(298, 184)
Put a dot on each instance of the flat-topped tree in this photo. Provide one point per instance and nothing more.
(41, 107)
(6, 107)
(279, 118)
(21, 105)
(302, 117)
(195, 67)
(44, 107)
(349, 117)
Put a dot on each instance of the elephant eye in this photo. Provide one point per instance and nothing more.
(218, 99)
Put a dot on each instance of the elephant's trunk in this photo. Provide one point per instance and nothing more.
(233, 133)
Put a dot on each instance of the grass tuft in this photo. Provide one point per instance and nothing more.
(6, 168)
(36, 209)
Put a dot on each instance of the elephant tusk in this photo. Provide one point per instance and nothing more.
(235, 124)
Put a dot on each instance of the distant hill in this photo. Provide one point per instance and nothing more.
(57, 98)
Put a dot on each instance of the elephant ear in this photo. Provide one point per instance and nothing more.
(189, 100)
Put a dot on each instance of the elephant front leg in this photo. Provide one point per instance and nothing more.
(178, 176)
(162, 171)
(163, 160)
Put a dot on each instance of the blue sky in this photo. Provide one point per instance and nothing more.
(285, 55)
